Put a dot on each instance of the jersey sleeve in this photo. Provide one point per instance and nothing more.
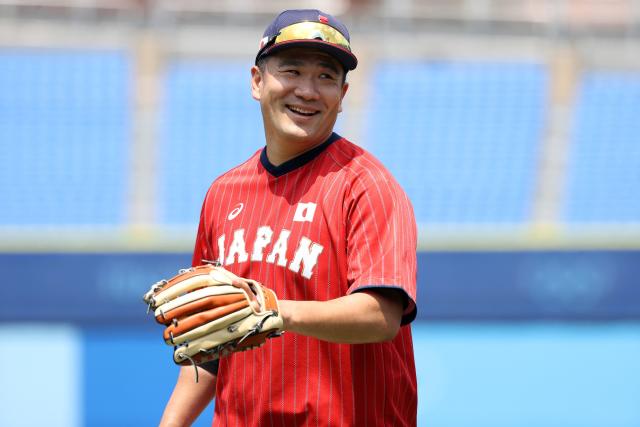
(381, 239)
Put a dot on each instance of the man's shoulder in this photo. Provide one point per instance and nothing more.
(241, 171)
(360, 162)
(245, 172)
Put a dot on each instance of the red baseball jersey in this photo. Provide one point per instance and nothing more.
(328, 223)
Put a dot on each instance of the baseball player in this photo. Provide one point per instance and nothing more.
(323, 224)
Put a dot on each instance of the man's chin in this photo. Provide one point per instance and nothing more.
(298, 133)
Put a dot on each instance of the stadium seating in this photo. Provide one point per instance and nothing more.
(604, 168)
(64, 132)
(209, 126)
(461, 138)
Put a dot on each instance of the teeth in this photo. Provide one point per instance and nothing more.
(301, 110)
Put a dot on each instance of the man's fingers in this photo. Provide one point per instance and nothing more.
(244, 285)
(255, 304)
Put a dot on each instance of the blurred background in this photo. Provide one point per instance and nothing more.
(514, 127)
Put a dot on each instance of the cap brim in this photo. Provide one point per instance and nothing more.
(344, 56)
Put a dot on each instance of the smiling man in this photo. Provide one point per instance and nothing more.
(300, 92)
(323, 224)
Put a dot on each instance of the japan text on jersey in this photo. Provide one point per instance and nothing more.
(240, 248)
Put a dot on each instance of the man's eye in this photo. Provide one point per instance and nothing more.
(293, 72)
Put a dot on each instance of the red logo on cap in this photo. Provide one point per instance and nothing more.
(323, 19)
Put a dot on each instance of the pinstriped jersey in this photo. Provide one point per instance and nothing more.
(328, 223)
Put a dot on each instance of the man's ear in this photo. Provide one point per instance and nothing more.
(345, 88)
(256, 82)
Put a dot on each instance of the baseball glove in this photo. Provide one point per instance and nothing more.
(208, 313)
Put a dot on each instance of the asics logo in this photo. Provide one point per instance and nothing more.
(236, 211)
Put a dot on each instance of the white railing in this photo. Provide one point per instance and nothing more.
(569, 14)
(618, 12)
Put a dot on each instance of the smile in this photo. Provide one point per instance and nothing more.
(302, 111)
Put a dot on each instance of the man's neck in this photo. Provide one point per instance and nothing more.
(279, 153)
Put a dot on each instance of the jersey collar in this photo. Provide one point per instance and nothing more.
(298, 161)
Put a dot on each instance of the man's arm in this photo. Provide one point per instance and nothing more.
(189, 398)
(362, 317)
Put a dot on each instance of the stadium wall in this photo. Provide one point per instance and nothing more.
(496, 331)
(481, 374)
(106, 289)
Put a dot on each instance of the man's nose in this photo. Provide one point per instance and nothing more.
(307, 89)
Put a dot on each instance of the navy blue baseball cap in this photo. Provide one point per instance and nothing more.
(308, 28)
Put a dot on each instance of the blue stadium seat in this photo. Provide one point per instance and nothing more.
(210, 124)
(64, 133)
(461, 138)
(604, 170)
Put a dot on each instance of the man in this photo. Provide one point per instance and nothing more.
(322, 223)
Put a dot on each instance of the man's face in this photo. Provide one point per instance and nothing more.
(300, 93)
